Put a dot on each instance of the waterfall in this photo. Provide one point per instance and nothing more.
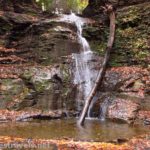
(84, 74)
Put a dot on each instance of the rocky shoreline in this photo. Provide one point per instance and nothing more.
(141, 143)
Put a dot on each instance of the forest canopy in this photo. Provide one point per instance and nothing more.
(74, 5)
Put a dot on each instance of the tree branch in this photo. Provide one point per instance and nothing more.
(102, 71)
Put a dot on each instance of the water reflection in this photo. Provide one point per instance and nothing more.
(94, 130)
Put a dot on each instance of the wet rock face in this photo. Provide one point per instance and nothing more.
(43, 43)
(52, 87)
(121, 109)
(26, 43)
(46, 88)
(24, 38)
(51, 42)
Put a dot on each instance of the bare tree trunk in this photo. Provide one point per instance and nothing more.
(103, 68)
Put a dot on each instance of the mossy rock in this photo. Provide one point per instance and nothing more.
(12, 86)
(12, 91)
(132, 35)
(39, 78)
(131, 45)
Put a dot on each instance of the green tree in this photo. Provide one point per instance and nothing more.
(75, 5)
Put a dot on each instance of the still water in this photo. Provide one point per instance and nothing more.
(94, 130)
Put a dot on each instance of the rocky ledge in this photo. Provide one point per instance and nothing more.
(28, 115)
(35, 61)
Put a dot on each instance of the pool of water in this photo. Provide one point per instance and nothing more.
(94, 130)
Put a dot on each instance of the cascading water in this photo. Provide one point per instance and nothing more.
(83, 73)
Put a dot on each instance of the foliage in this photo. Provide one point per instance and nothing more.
(75, 5)
(80, 4)
(64, 144)
(131, 45)
(45, 4)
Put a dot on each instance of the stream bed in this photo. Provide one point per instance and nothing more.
(94, 130)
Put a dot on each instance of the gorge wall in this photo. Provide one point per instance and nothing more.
(36, 64)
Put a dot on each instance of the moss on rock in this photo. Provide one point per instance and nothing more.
(132, 35)
(13, 91)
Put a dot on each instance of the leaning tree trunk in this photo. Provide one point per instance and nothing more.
(103, 68)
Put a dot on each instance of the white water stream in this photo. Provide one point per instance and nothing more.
(83, 73)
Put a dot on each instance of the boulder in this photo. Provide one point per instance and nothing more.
(121, 109)
(6, 115)
(130, 80)
(29, 114)
(56, 114)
